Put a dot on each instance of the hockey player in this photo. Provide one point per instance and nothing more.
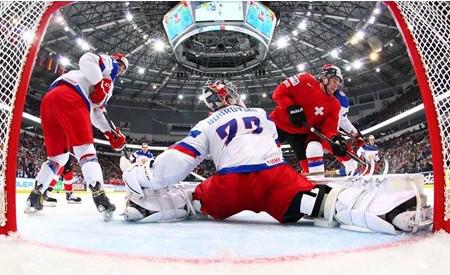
(369, 151)
(142, 155)
(67, 178)
(251, 175)
(347, 126)
(76, 101)
(303, 102)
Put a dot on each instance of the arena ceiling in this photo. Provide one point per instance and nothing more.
(315, 33)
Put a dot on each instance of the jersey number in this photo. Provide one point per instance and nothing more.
(249, 123)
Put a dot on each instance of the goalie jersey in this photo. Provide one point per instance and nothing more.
(239, 140)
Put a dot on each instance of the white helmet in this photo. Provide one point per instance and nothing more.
(330, 70)
(120, 57)
(220, 93)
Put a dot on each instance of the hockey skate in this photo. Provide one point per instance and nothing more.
(49, 201)
(102, 202)
(35, 200)
(72, 199)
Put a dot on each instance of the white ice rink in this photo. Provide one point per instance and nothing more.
(73, 239)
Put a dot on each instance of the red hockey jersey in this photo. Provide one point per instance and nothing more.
(321, 110)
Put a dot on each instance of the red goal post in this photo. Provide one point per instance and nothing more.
(423, 25)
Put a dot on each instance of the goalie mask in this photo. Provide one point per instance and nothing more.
(220, 93)
(120, 57)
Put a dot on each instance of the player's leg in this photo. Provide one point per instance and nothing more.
(68, 186)
(56, 147)
(222, 196)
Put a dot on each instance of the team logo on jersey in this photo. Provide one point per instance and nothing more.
(318, 110)
(294, 80)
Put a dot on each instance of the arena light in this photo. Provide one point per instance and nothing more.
(59, 19)
(64, 61)
(282, 42)
(154, 87)
(145, 36)
(349, 80)
(200, 97)
(66, 29)
(295, 32)
(83, 44)
(28, 36)
(308, 13)
(141, 70)
(301, 67)
(377, 70)
(264, 95)
(159, 45)
(371, 20)
(377, 11)
(303, 25)
(348, 68)
(391, 44)
(374, 56)
(243, 96)
(357, 64)
(359, 35)
(334, 53)
(180, 96)
(129, 17)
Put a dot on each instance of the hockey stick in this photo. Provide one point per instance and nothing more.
(327, 139)
(113, 130)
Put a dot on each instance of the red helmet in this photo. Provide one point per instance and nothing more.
(330, 70)
(220, 93)
(120, 57)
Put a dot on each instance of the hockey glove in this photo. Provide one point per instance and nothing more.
(116, 139)
(101, 91)
(339, 146)
(296, 115)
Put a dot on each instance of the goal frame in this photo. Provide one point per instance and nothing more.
(431, 116)
(14, 134)
(418, 66)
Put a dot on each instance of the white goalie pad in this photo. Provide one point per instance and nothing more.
(360, 203)
(173, 203)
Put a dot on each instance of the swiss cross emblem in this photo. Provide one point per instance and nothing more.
(318, 110)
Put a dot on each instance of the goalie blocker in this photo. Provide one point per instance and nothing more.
(389, 204)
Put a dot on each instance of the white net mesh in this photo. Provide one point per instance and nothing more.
(429, 24)
(18, 24)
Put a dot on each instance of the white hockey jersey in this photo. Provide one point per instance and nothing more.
(369, 152)
(344, 122)
(93, 68)
(238, 139)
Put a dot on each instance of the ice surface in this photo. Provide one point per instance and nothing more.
(73, 239)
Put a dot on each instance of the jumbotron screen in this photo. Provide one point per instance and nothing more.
(218, 11)
(261, 18)
(177, 20)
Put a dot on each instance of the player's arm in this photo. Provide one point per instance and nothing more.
(282, 95)
(115, 137)
(177, 162)
(345, 123)
(92, 67)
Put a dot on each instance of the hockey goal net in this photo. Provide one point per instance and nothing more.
(425, 27)
(22, 27)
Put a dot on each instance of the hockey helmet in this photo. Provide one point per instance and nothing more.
(120, 57)
(220, 93)
(330, 70)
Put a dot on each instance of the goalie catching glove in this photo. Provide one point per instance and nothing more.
(116, 139)
(296, 115)
(101, 91)
(339, 146)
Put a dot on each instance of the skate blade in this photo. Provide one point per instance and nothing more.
(74, 202)
(107, 215)
(49, 204)
(29, 210)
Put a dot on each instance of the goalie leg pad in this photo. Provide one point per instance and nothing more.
(162, 205)
(362, 206)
